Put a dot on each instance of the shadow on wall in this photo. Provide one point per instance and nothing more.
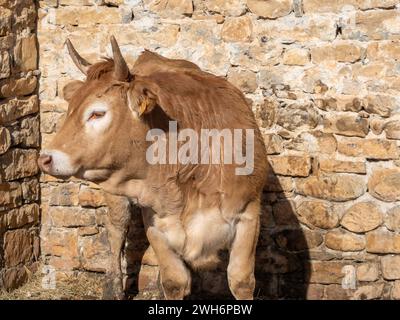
(282, 259)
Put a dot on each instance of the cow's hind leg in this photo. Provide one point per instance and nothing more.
(242, 253)
(116, 223)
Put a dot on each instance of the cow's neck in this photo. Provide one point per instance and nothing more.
(147, 194)
(129, 188)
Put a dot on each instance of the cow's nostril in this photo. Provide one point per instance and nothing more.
(45, 161)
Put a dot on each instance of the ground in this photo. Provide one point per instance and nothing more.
(83, 286)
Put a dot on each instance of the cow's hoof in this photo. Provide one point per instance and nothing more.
(112, 289)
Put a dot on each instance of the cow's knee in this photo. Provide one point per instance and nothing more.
(241, 283)
(175, 282)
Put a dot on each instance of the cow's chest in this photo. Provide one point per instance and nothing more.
(200, 237)
(207, 232)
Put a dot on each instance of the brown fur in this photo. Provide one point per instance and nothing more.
(177, 197)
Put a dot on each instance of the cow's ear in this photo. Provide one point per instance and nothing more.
(142, 97)
(70, 88)
(171, 91)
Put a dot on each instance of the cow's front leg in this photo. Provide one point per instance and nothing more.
(174, 275)
(116, 223)
(242, 253)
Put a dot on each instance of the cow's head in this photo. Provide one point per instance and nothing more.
(103, 127)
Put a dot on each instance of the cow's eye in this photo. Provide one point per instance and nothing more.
(96, 115)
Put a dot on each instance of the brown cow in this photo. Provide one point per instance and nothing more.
(191, 211)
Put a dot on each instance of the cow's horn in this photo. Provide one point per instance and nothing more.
(121, 70)
(81, 63)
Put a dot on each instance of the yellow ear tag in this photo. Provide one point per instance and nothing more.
(143, 106)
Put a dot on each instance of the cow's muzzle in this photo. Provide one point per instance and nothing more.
(45, 162)
(56, 163)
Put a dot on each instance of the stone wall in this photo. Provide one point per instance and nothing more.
(19, 142)
(324, 79)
